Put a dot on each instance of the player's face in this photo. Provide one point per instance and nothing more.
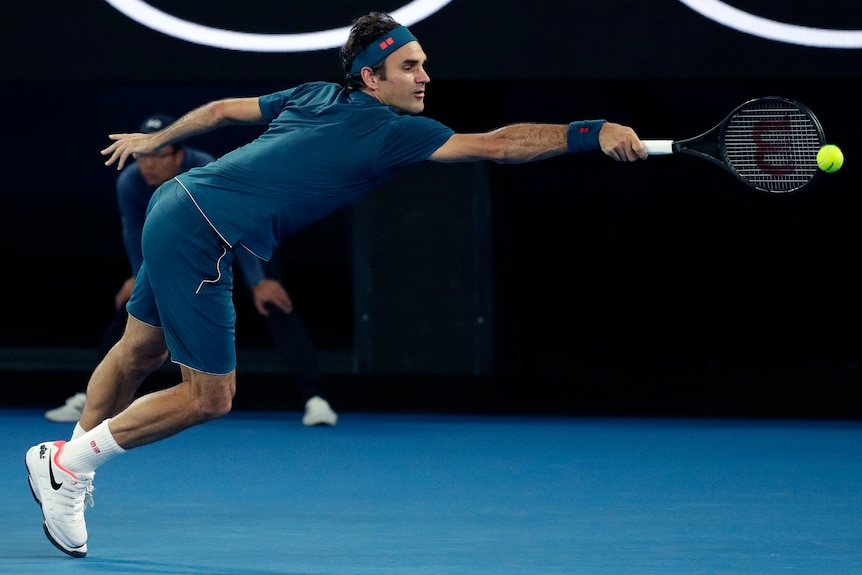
(404, 86)
(159, 167)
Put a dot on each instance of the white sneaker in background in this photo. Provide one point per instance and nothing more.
(318, 412)
(69, 412)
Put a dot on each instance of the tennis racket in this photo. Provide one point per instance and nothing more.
(768, 143)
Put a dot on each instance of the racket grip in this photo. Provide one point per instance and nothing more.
(658, 147)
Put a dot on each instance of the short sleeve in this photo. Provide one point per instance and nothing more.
(271, 105)
(411, 140)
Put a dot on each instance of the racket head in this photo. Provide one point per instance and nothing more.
(771, 143)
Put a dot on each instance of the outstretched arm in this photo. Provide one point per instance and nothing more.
(203, 119)
(520, 143)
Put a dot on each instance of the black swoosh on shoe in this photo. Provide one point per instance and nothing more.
(54, 483)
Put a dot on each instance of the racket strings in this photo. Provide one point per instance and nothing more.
(772, 145)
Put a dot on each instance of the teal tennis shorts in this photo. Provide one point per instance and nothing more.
(185, 284)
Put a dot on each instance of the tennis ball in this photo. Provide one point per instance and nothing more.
(830, 158)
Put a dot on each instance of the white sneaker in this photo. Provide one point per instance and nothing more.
(62, 495)
(69, 412)
(318, 412)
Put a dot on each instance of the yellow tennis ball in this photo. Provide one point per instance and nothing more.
(830, 158)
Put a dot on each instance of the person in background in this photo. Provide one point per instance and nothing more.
(325, 146)
(135, 185)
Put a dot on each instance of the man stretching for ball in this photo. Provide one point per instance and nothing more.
(325, 147)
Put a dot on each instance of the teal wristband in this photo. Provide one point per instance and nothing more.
(583, 136)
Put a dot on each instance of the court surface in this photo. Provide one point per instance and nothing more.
(256, 493)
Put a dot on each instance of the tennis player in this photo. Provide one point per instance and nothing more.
(325, 146)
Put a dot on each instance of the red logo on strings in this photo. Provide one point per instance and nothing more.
(778, 147)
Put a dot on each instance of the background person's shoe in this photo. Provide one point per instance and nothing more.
(318, 412)
(69, 412)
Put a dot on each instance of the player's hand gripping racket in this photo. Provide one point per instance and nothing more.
(768, 143)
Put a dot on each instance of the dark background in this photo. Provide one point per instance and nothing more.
(658, 287)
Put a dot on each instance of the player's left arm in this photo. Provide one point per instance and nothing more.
(521, 143)
(200, 120)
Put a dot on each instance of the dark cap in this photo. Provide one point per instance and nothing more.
(155, 123)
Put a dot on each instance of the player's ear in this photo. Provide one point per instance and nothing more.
(369, 77)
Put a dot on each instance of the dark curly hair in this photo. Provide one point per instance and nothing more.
(363, 31)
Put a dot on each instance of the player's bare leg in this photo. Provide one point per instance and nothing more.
(200, 397)
(121, 372)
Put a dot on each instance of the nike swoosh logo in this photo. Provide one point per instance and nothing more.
(54, 483)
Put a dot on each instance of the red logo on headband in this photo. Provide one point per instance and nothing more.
(386, 43)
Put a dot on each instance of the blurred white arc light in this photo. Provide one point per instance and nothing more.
(772, 30)
(155, 19)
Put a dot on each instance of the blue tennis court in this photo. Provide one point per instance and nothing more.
(256, 493)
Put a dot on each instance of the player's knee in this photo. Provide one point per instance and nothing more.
(154, 359)
(142, 353)
(213, 406)
(147, 360)
(214, 396)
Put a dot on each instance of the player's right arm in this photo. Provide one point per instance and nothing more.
(200, 120)
(520, 143)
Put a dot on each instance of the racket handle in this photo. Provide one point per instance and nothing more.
(658, 147)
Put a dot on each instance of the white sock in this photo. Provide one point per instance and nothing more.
(87, 452)
(78, 431)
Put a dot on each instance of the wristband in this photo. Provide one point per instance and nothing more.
(583, 136)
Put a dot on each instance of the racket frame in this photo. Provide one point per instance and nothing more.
(709, 145)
